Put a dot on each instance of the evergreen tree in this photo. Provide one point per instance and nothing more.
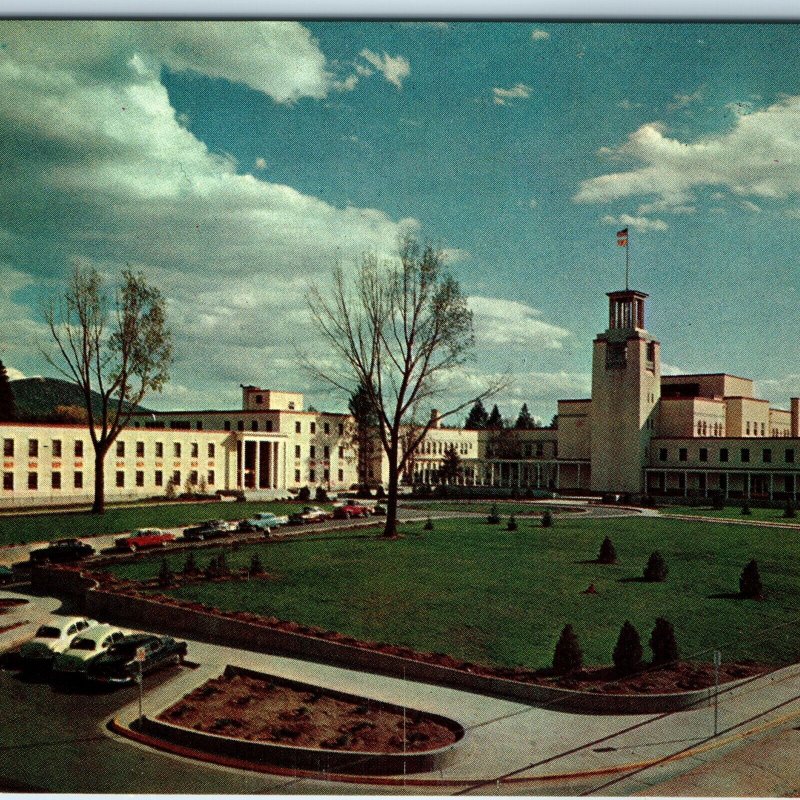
(190, 565)
(494, 517)
(165, 575)
(750, 585)
(256, 567)
(790, 512)
(568, 656)
(524, 421)
(628, 650)
(512, 523)
(656, 569)
(477, 417)
(746, 509)
(451, 466)
(365, 421)
(547, 519)
(8, 406)
(607, 555)
(495, 421)
(662, 642)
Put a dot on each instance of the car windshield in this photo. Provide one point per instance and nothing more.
(83, 644)
(48, 632)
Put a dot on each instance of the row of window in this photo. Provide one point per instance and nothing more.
(312, 476)
(440, 448)
(724, 455)
(33, 448)
(56, 449)
(77, 479)
(312, 452)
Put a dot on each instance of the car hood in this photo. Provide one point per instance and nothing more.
(73, 661)
(41, 648)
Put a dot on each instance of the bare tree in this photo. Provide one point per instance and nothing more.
(116, 352)
(398, 330)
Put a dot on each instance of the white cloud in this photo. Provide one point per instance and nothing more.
(758, 157)
(684, 100)
(261, 163)
(671, 369)
(503, 97)
(749, 205)
(628, 105)
(641, 224)
(394, 68)
(534, 203)
(500, 322)
(538, 35)
(14, 374)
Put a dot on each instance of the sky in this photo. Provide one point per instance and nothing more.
(236, 163)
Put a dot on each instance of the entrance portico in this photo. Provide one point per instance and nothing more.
(261, 463)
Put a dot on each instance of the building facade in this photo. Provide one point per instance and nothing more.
(641, 432)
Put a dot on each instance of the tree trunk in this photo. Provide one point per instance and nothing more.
(99, 505)
(390, 531)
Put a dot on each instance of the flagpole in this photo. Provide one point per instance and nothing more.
(627, 259)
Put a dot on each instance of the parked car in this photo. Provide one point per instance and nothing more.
(379, 510)
(309, 514)
(144, 537)
(263, 521)
(119, 664)
(86, 646)
(350, 510)
(6, 574)
(53, 637)
(211, 529)
(62, 551)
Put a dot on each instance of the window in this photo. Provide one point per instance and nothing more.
(327, 428)
(158, 478)
(291, 405)
(199, 425)
(33, 480)
(210, 479)
(297, 427)
(181, 424)
(312, 452)
(8, 448)
(313, 427)
(788, 455)
(326, 475)
(159, 449)
(139, 478)
(55, 480)
(193, 477)
(704, 454)
(723, 454)
(211, 450)
(259, 399)
(341, 429)
(747, 429)
(268, 425)
(662, 454)
(8, 481)
(539, 449)
(56, 448)
(176, 449)
(326, 452)
(227, 425)
(766, 455)
(341, 475)
(763, 428)
(176, 477)
(341, 452)
(683, 454)
(77, 480)
(33, 448)
(745, 454)
(297, 451)
(681, 481)
(195, 449)
(254, 425)
(139, 449)
(120, 449)
(120, 479)
(312, 475)
(240, 425)
(699, 427)
(297, 476)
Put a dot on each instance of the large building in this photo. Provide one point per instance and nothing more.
(639, 433)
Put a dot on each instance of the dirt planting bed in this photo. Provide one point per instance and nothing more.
(9, 603)
(275, 710)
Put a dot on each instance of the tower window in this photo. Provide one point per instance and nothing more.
(723, 454)
(745, 454)
(683, 454)
(704, 454)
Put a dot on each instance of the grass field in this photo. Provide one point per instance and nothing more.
(483, 594)
(20, 528)
(732, 512)
(480, 507)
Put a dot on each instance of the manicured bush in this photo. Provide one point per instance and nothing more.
(746, 509)
(607, 555)
(750, 586)
(627, 654)
(304, 494)
(165, 576)
(380, 494)
(494, 517)
(547, 519)
(568, 655)
(718, 501)
(428, 526)
(790, 512)
(321, 495)
(662, 642)
(256, 567)
(171, 491)
(512, 524)
(656, 569)
(189, 565)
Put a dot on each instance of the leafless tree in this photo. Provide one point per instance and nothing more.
(115, 351)
(397, 329)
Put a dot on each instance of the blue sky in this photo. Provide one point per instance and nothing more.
(234, 163)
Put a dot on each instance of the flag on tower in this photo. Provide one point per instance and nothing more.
(622, 237)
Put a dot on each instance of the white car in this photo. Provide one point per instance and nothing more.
(53, 637)
(84, 647)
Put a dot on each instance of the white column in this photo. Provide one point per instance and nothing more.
(274, 446)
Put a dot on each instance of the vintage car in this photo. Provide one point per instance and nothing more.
(211, 529)
(351, 510)
(263, 521)
(62, 551)
(309, 514)
(86, 646)
(138, 652)
(53, 637)
(143, 538)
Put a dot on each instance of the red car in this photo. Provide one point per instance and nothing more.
(351, 510)
(144, 537)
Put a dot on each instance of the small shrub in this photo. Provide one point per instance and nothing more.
(746, 509)
(662, 642)
(547, 519)
(607, 554)
(380, 494)
(428, 526)
(494, 517)
(512, 524)
(171, 491)
(568, 656)
(304, 495)
(656, 569)
(750, 585)
(718, 501)
(203, 485)
(790, 512)
(256, 567)
(165, 576)
(628, 650)
(190, 565)
(321, 495)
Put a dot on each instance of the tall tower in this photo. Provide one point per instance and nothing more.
(626, 388)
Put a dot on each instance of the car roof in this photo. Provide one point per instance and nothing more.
(98, 632)
(62, 623)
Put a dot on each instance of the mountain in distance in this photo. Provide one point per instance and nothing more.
(38, 398)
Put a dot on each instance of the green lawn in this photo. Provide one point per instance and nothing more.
(483, 594)
(20, 528)
(482, 507)
(731, 512)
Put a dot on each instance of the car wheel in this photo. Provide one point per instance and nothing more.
(162, 544)
(133, 548)
(347, 515)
